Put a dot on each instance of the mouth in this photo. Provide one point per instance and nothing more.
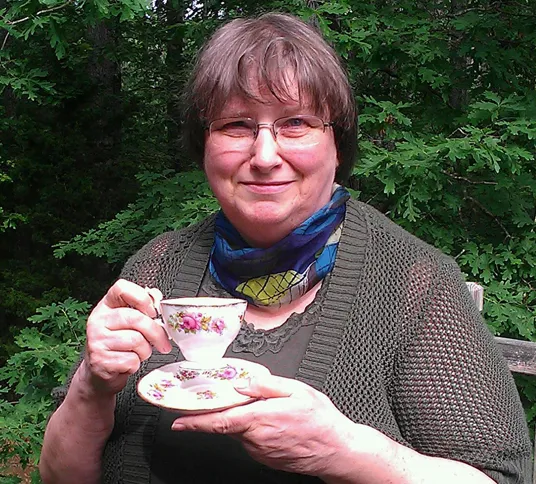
(266, 187)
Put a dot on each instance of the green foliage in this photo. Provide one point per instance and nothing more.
(167, 201)
(25, 19)
(46, 350)
(91, 163)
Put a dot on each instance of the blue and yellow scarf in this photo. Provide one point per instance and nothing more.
(287, 270)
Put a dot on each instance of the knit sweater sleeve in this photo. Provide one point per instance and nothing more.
(454, 396)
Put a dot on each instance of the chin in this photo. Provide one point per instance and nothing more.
(267, 220)
(262, 218)
(268, 212)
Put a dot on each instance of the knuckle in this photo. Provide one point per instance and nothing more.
(221, 426)
(146, 352)
(119, 289)
(136, 339)
(92, 348)
(93, 330)
(120, 284)
(134, 366)
(128, 364)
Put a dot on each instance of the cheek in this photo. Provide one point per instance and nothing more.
(215, 164)
(322, 160)
(212, 172)
(221, 171)
(321, 166)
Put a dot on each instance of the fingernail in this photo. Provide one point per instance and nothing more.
(177, 426)
(166, 350)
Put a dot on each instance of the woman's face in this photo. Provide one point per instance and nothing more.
(266, 191)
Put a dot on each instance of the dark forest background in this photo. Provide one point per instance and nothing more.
(92, 165)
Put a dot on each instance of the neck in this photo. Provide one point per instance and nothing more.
(270, 317)
(261, 238)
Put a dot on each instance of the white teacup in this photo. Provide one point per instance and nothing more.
(202, 327)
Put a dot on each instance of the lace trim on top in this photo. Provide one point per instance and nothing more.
(259, 341)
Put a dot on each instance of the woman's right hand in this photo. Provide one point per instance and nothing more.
(120, 335)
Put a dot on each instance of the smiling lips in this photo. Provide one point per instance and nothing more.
(267, 187)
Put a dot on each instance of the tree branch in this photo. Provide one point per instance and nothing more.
(467, 180)
(41, 12)
(4, 41)
(489, 8)
(487, 212)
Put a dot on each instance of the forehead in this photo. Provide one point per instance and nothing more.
(240, 106)
(265, 106)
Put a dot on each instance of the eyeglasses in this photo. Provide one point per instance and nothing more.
(289, 132)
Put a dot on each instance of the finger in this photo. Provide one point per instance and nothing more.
(132, 319)
(271, 387)
(109, 366)
(226, 422)
(127, 294)
(129, 340)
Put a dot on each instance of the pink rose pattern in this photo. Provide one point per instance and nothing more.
(227, 373)
(158, 389)
(185, 375)
(193, 322)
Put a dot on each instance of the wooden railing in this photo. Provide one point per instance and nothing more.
(520, 355)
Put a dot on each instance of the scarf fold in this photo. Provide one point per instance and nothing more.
(285, 271)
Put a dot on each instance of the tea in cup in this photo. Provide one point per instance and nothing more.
(202, 327)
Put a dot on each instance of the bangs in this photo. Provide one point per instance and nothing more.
(268, 71)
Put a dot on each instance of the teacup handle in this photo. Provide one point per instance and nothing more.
(158, 320)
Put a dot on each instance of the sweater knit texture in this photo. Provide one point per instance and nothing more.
(398, 345)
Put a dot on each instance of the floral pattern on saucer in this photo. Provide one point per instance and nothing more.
(192, 322)
(157, 390)
(206, 395)
(185, 375)
(182, 388)
(228, 372)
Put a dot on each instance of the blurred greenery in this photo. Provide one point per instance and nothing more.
(91, 163)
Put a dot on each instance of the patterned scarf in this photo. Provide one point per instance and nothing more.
(282, 273)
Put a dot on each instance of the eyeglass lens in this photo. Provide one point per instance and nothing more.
(294, 131)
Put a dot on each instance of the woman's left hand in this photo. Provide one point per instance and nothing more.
(292, 426)
(298, 429)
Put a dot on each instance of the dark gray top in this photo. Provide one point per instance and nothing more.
(397, 344)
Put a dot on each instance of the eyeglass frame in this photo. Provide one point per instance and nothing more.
(271, 126)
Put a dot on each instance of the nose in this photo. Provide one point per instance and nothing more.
(265, 153)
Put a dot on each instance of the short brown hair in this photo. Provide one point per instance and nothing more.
(262, 51)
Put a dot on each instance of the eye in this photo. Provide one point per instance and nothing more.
(233, 127)
(294, 127)
(294, 123)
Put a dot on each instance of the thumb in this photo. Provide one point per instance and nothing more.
(268, 387)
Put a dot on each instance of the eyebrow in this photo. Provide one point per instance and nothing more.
(285, 111)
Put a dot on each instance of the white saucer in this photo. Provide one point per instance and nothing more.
(188, 389)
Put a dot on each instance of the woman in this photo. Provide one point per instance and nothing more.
(383, 370)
